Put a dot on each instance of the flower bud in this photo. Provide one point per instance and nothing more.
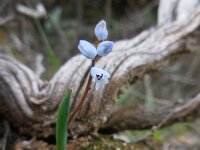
(104, 48)
(101, 31)
(87, 49)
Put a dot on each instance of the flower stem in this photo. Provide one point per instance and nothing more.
(80, 104)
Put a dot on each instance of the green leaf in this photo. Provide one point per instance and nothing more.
(61, 123)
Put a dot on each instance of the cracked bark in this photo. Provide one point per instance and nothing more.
(30, 103)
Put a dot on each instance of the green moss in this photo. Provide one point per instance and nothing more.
(108, 143)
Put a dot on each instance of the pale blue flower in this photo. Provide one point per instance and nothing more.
(87, 49)
(104, 48)
(101, 31)
(100, 77)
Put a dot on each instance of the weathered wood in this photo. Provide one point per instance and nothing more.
(131, 118)
(31, 103)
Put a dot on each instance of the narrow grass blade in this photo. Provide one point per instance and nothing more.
(61, 123)
(51, 55)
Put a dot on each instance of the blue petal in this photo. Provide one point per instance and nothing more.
(105, 80)
(98, 85)
(104, 48)
(99, 82)
(101, 31)
(98, 71)
(94, 71)
(87, 49)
